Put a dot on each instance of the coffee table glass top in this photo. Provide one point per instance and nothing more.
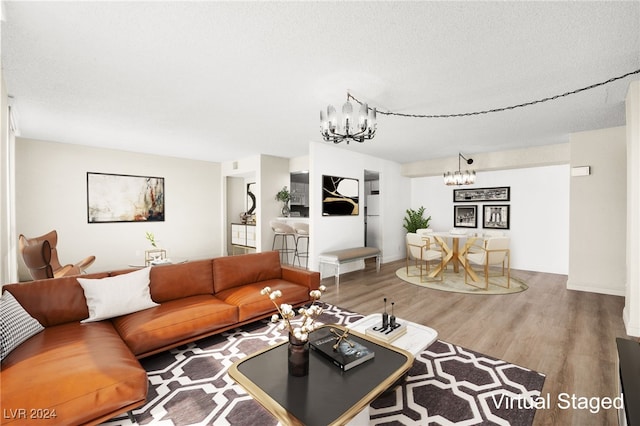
(327, 395)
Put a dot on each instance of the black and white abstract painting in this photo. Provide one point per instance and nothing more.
(340, 196)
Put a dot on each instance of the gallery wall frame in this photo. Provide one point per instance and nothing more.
(465, 216)
(500, 193)
(124, 198)
(340, 196)
(496, 216)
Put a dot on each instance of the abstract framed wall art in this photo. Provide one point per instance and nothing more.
(502, 193)
(340, 196)
(496, 216)
(465, 216)
(124, 198)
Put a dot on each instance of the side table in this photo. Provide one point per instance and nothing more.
(417, 338)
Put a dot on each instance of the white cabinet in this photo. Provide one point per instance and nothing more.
(243, 235)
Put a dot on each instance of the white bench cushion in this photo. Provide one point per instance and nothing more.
(346, 255)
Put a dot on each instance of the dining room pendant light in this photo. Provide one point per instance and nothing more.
(459, 177)
(348, 127)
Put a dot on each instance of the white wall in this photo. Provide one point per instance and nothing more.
(274, 174)
(236, 189)
(338, 232)
(8, 239)
(52, 194)
(632, 289)
(539, 223)
(598, 212)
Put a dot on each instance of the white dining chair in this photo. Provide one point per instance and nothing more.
(494, 252)
(422, 249)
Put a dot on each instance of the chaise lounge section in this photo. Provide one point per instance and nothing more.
(77, 372)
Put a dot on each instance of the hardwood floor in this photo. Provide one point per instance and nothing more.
(567, 335)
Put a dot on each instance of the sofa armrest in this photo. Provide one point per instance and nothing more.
(310, 279)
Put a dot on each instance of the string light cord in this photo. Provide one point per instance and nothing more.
(525, 104)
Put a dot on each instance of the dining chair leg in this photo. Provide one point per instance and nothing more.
(486, 276)
(508, 270)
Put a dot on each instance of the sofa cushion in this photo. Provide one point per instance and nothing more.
(173, 322)
(234, 271)
(170, 282)
(53, 301)
(114, 296)
(79, 372)
(252, 304)
(16, 325)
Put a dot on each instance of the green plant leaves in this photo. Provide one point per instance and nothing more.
(415, 220)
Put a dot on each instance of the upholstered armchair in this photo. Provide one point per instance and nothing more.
(421, 250)
(41, 257)
(495, 252)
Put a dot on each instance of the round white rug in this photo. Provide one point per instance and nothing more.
(455, 282)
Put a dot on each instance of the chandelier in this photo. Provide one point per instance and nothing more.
(468, 177)
(348, 127)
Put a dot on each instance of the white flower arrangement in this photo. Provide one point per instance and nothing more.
(286, 314)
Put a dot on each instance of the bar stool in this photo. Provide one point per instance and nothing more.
(283, 231)
(302, 232)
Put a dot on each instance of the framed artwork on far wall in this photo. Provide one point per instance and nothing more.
(497, 194)
(124, 198)
(496, 216)
(340, 196)
(465, 216)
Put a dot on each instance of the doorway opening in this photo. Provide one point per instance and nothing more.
(372, 213)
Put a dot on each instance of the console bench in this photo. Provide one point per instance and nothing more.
(338, 257)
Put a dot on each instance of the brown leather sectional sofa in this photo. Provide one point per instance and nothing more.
(87, 373)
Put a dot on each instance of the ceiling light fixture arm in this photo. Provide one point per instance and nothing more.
(457, 178)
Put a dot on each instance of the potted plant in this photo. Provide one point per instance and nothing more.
(415, 220)
(284, 196)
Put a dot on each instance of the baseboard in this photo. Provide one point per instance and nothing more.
(389, 259)
(593, 289)
(632, 330)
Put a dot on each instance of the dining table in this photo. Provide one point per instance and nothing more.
(453, 254)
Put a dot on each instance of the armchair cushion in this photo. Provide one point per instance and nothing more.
(16, 325)
(115, 296)
(37, 257)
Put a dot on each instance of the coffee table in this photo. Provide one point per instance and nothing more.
(326, 396)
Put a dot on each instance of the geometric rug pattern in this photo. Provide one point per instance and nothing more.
(454, 282)
(446, 385)
(450, 385)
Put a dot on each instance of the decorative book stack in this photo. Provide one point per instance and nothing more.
(388, 329)
(387, 334)
(347, 354)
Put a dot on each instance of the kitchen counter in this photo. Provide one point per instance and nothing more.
(293, 219)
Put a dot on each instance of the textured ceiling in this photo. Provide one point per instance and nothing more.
(221, 81)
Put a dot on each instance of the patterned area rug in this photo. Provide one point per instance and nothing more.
(446, 385)
(455, 282)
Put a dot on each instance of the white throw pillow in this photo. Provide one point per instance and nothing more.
(16, 325)
(120, 295)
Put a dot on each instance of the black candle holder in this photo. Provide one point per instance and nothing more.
(385, 315)
(389, 323)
